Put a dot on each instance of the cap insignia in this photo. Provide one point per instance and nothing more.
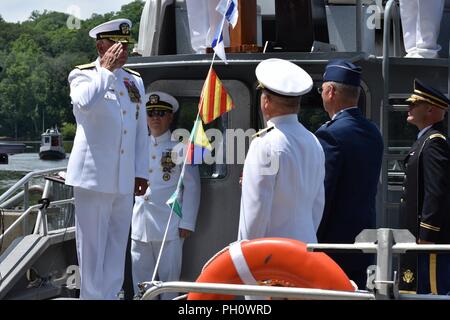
(124, 28)
(154, 99)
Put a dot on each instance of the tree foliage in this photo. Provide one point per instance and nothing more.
(37, 56)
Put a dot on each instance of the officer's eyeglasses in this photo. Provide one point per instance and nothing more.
(320, 89)
(156, 113)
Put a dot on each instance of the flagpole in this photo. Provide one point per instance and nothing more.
(158, 260)
(178, 186)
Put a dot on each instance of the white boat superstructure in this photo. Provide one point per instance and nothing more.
(52, 147)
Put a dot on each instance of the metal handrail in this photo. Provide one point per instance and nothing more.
(29, 210)
(372, 247)
(385, 243)
(252, 290)
(385, 107)
(358, 26)
(22, 182)
(388, 12)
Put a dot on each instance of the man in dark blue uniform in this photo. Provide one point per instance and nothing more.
(353, 153)
(425, 204)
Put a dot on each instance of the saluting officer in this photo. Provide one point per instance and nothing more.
(425, 204)
(151, 213)
(282, 183)
(109, 158)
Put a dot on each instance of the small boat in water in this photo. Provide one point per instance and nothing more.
(51, 145)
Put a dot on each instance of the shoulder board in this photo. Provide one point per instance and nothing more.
(437, 135)
(85, 66)
(132, 72)
(263, 131)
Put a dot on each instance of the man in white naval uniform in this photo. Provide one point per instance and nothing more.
(283, 178)
(421, 21)
(109, 159)
(151, 213)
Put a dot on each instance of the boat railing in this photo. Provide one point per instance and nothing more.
(54, 195)
(157, 288)
(385, 244)
(41, 219)
(382, 278)
(24, 183)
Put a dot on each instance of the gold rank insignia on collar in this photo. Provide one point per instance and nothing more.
(263, 131)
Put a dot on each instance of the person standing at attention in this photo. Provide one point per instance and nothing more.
(151, 212)
(282, 183)
(353, 154)
(425, 203)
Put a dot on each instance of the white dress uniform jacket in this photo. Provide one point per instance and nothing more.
(289, 202)
(151, 213)
(110, 147)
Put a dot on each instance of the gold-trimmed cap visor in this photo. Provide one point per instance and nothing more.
(425, 93)
(121, 39)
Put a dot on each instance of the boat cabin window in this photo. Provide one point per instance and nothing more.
(46, 140)
(187, 93)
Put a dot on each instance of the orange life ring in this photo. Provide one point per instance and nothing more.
(275, 261)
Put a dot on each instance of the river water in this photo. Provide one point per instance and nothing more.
(20, 164)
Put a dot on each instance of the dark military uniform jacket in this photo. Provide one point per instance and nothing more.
(353, 152)
(425, 203)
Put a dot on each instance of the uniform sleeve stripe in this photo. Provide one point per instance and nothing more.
(430, 227)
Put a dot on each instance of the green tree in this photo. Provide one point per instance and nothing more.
(37, 55)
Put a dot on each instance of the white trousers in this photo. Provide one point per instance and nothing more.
(102, 227)
(203, 21)
(421, 21)
(143, 259)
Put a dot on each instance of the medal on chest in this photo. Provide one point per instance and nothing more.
(133, 91)
(167, 164)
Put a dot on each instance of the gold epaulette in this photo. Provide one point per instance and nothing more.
(85, 66)
(263, 131)
(132, 72)
(437, 135)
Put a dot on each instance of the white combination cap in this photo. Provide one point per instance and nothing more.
(283, 77)
(118, 30)
(159, 100)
